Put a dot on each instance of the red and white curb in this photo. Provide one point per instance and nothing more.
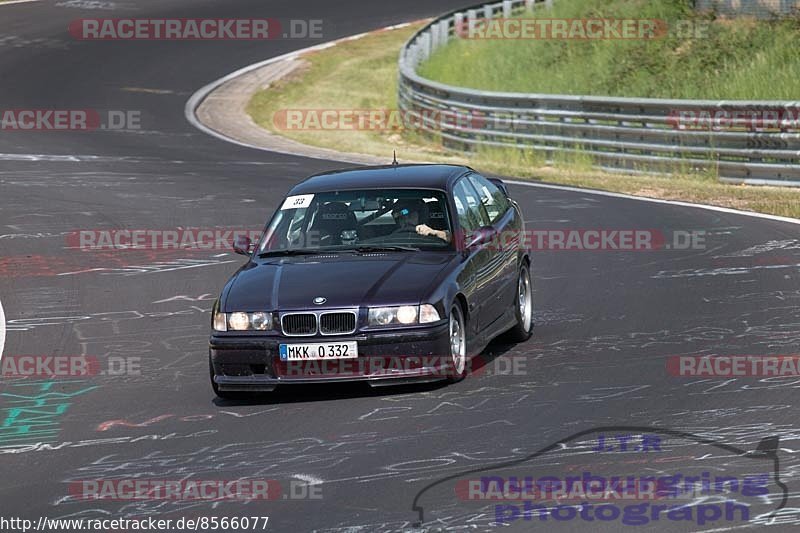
(197, 98)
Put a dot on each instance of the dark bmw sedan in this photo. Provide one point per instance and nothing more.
(384, 274)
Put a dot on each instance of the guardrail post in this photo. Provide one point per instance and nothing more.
(548, 4)
(488, 12)
(417, 55)
(426, 45)
(507, 6)
(434, 37)
(444, 36)
(472, 17)
(529, 4)
(458, 25)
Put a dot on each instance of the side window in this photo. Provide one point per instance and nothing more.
(491, 197)
(468, 206)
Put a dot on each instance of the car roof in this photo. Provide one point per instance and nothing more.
(379, 177)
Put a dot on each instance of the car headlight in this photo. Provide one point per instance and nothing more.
(381, 316)
(404, 315)
(239, 321)
(261, 321)
(407, 314)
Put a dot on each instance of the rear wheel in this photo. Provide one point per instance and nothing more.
(458, 345)
(523, 307)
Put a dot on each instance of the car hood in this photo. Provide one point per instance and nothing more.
(345, 280)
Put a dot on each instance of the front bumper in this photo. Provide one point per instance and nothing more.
(250, 363)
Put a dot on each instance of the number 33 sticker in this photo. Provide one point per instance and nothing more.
(297, 202)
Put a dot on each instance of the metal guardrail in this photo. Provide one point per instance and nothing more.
(619, 134)
(753, 8)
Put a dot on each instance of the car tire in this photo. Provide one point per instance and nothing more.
(523, 307)
(458, 345)
(224, 395)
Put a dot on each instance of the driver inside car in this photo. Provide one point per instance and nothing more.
(408, 214)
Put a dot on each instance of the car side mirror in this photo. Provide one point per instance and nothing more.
(480, 237)
(500, 184)
(242, 245)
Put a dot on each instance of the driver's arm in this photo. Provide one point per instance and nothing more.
(424, 229)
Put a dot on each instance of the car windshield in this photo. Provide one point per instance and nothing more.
(360, 220)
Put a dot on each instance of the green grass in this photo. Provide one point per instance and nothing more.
(734, 59)
(362, 74)
(354, 75)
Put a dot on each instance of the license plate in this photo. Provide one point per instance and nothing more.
(317, 351)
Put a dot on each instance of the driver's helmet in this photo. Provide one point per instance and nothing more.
(405, 207)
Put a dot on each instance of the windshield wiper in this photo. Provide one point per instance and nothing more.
(276, 253)
(383, 248)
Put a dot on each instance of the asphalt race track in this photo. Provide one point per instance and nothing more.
(606, 320)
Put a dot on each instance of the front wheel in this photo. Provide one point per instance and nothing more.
(458, 345)
(523, 307)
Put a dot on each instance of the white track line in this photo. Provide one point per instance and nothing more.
(309, 479)
(657, 201)
(197, 98)
(2, 330)
(12, 2)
